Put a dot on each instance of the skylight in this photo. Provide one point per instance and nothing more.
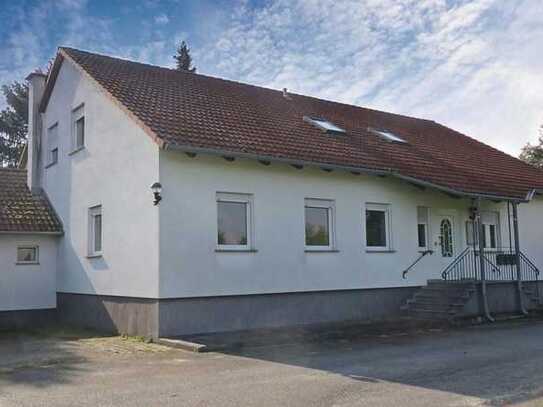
(324, 124)
(388, 136)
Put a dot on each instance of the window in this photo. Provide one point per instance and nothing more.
(422, 227)
(27, 255)
(95, 231)
(446, 237)
(471, 234)
(490, 222)
(324, 124)
(319, 224)
(386, 135)
(377, 227)
(234, 221)
(52, 145)
(78, 128)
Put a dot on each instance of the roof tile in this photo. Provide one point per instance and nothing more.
(21, 211)
(198, 111)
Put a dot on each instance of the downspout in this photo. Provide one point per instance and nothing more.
(480, 227)
(517, 258)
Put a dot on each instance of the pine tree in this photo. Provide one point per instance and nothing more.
(183, 58)
(13, 123)
(533, 154)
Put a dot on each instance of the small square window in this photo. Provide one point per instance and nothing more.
(27, 255)
(319, 224)
(234, 221)
(377, 227)
(78, 128)
(95, 231)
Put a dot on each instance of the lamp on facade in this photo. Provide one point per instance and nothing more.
(157, 189)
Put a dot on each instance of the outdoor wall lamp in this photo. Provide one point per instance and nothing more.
(157, 189)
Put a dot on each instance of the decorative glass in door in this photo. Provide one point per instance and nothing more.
(446, 238)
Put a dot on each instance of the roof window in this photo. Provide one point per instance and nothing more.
(324, 125)
(387, 135)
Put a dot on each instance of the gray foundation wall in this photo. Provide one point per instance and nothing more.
(502, 297)
(27, 319)
(183, 316)
(126, 315)
(215, 314)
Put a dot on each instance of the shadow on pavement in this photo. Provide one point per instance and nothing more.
(500, 363)
(40, 358)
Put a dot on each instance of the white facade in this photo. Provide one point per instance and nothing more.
(171, 250)
(531, 230)
(191, 265)
(26, 286)
(114, 170)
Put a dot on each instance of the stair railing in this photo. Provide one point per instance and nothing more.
(424, 253)
(528, 270)
(501, 263)
(463, 267)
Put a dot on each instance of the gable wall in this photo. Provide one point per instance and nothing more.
(190, 266)
(115, 170)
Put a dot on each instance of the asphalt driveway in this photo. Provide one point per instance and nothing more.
(500, 364)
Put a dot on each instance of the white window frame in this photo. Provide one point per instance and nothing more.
(94, 211)
(329, 205)
(470, 241)
(426, 228)
(379, 207)
(52, 147)
(77, 114)
(28, 246)
(246, 199)
(487, 242)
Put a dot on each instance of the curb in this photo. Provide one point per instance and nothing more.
(184, 345)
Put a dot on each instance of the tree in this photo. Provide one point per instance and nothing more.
(13, 123)
(533, 154)
(183, 58)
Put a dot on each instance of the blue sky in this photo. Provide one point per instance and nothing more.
(473, 65)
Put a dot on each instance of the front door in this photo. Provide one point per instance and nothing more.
(444, 241)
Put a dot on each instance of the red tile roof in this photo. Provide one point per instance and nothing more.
(21, 211)
(194, 112)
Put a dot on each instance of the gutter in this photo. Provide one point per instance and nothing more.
(7, 232)
(370, 171)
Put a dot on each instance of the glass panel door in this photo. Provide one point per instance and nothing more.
(446, 237)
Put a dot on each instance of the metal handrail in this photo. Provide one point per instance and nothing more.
(424, 253)
(532, 265)
(455, 262)
(466, 266)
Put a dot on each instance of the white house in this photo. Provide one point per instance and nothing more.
(270, 208)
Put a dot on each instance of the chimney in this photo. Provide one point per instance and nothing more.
(285, 93)
(36, 86)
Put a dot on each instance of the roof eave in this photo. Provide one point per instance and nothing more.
(28, 232)
(370, 171)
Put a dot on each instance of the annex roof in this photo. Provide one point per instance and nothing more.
(22, 211)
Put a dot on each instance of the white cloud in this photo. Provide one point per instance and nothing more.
(472, 65)
(162, 19)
